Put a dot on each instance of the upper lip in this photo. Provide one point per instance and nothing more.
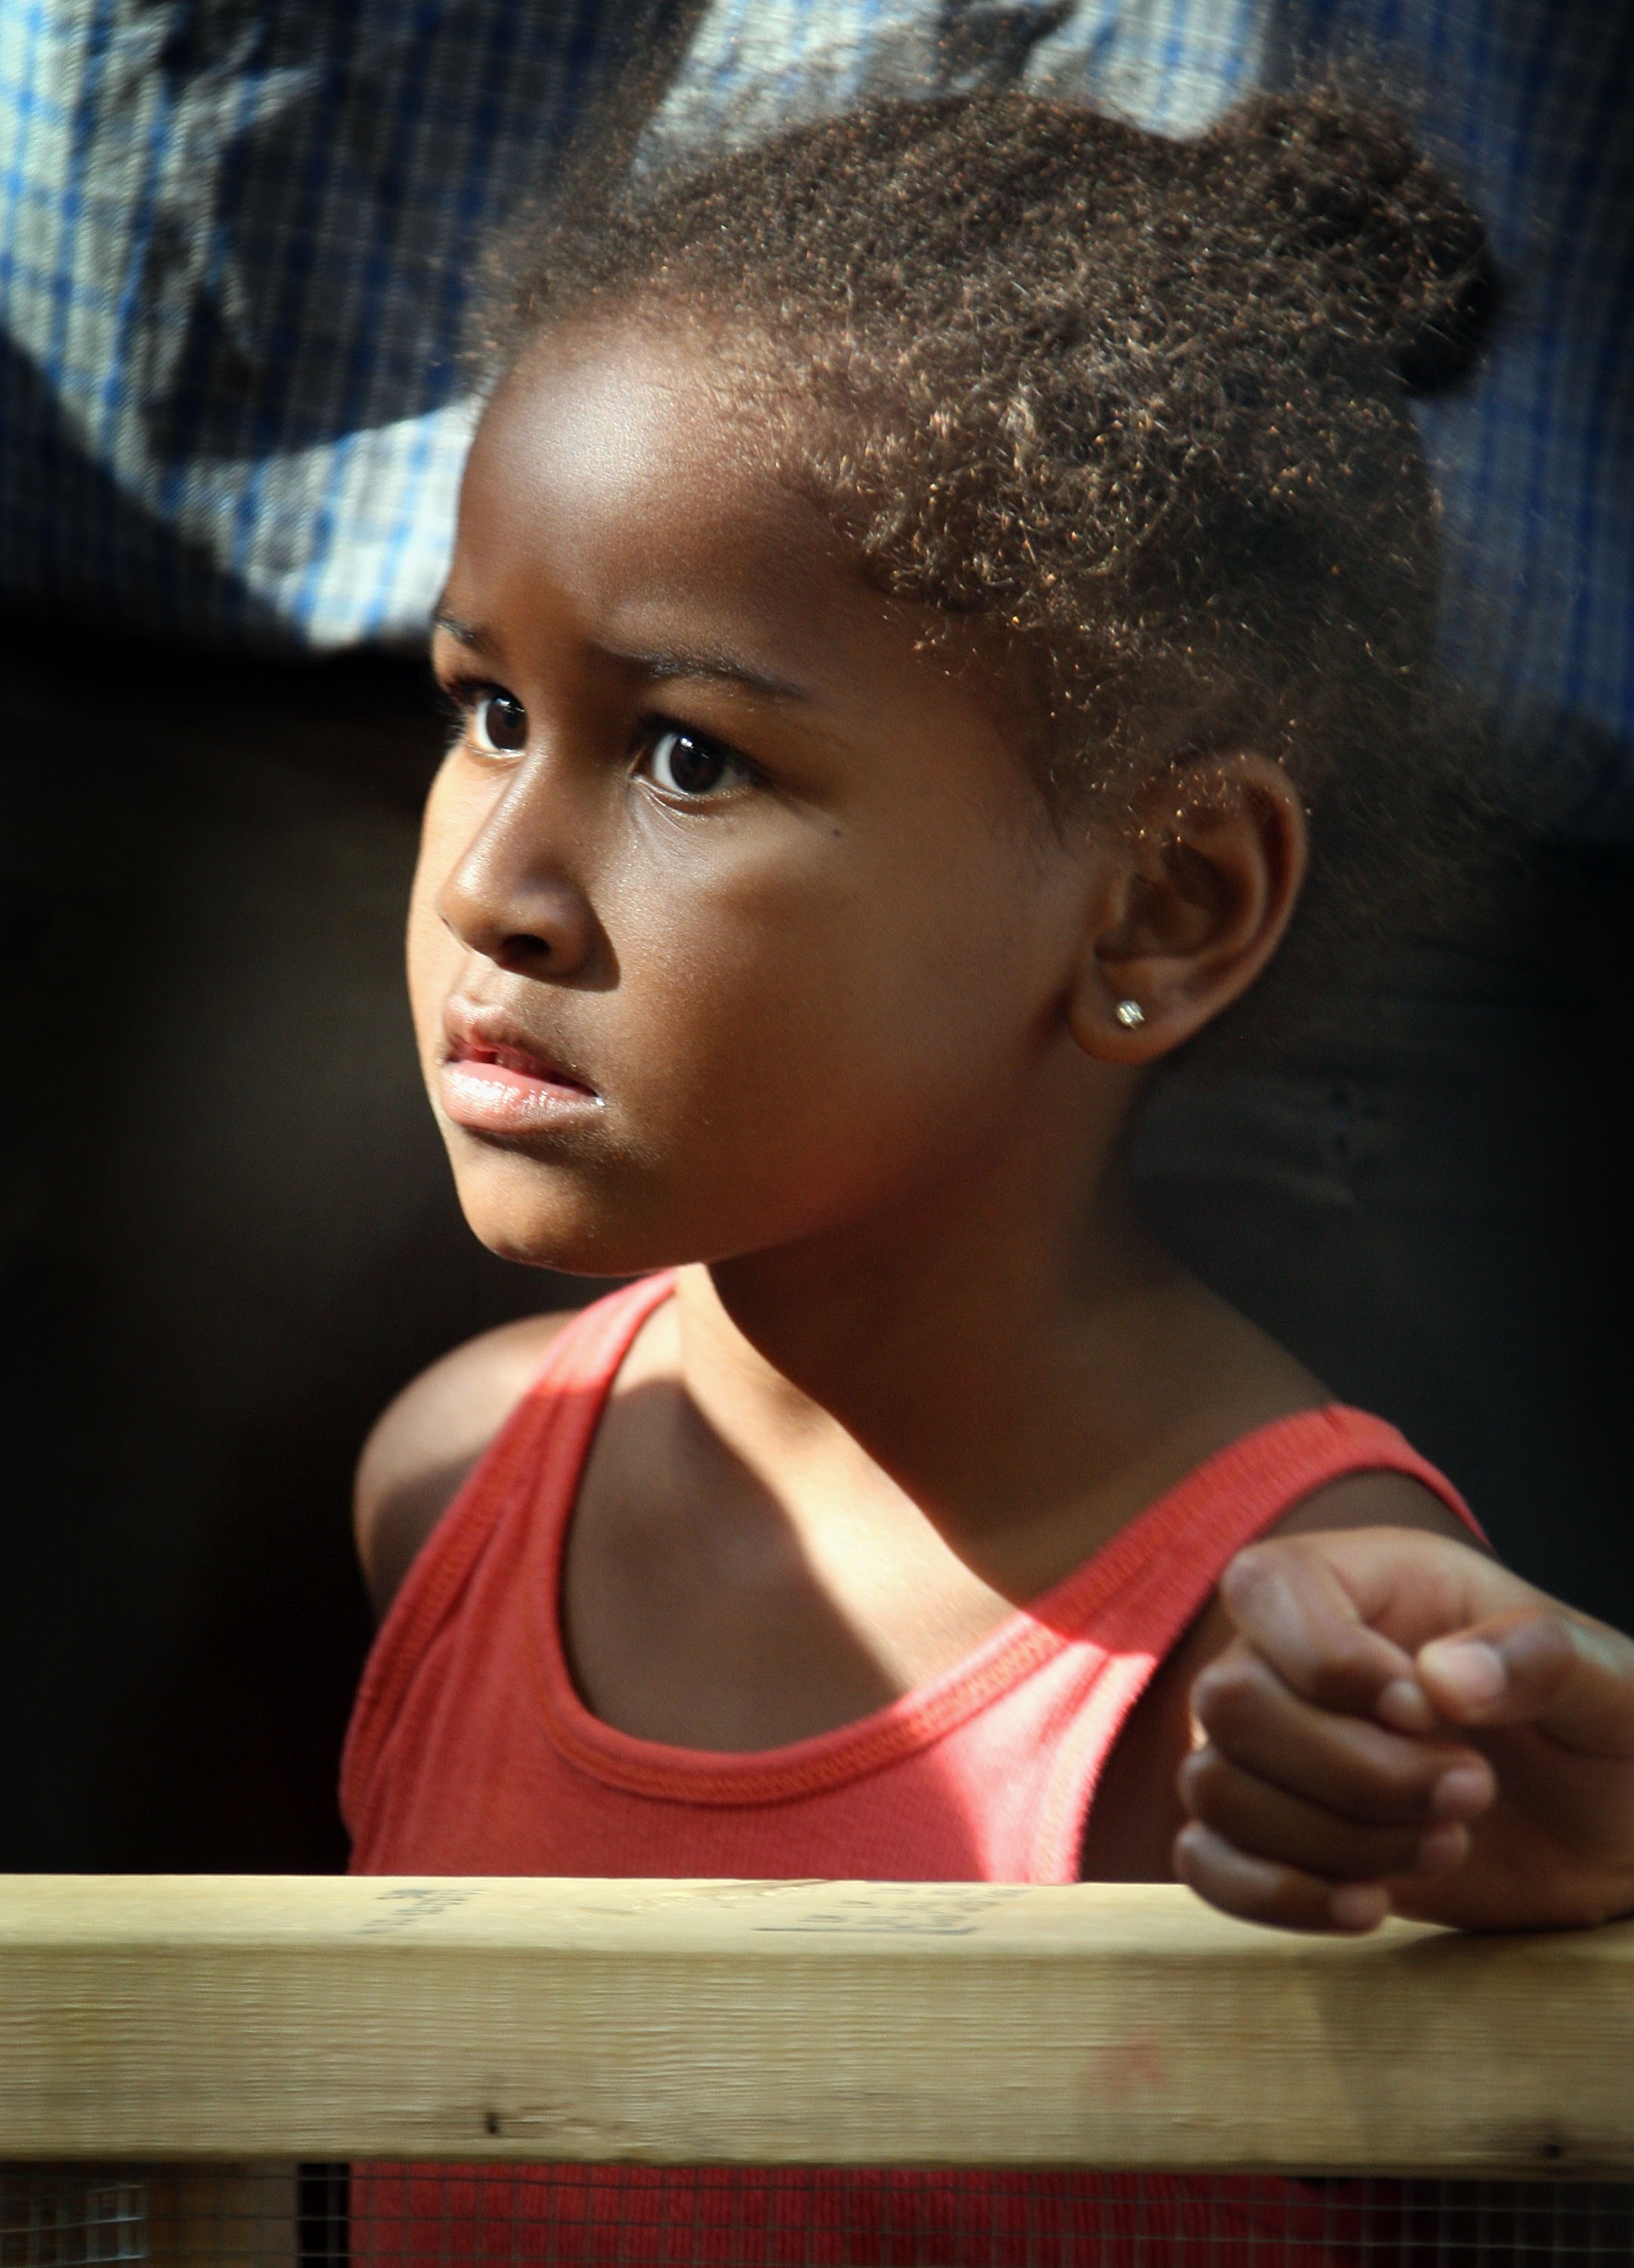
(476, 1031)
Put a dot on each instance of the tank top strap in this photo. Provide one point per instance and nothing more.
(1149, 1582)
(530, 1469)
(1133, 1602)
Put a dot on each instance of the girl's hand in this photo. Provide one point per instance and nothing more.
(1403, 1727)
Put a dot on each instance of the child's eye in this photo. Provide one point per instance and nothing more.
(498, 724)
(683, 762)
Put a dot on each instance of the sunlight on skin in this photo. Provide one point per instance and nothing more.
(742, 940)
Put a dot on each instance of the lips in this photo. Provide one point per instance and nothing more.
(515, 1065)
(496, 1080)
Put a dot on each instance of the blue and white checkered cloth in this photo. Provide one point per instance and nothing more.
(237, 246)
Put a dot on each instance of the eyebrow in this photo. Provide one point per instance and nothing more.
(464, 633)
(658, 667)
(696, 661)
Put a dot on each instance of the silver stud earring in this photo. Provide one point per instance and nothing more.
(1129, 1013)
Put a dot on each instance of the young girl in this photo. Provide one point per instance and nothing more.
(928, 593)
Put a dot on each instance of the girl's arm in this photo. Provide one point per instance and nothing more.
(425, 1444)
(1400, 1725)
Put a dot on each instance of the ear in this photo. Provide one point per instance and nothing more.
(1191, 900)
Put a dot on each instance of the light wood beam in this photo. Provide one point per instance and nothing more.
(858, 2023)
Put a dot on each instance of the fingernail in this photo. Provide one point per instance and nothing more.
(1463, 1792)
(1359, 1906)
(1475, 1669)
(1403, 1705)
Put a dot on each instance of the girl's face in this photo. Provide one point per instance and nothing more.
(738, 918)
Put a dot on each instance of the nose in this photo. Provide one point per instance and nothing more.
(512, 896)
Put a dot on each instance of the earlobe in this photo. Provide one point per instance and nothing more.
(1194, 898)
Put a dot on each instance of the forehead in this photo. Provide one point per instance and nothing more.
(620, 458)
(630, 492)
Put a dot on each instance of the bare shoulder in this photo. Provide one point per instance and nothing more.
(1376, 1500)
(427, 1442)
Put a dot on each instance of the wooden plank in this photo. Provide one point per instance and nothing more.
(818, 2023)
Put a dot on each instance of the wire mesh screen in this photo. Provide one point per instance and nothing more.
(70, 2216)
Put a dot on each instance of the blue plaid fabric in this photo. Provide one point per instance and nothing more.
(1533, 103)
(237, 246)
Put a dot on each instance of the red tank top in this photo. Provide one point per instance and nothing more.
(470, 1753)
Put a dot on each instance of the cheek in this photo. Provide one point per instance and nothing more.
(830, 1018)
(799, 1028)
(433, 951)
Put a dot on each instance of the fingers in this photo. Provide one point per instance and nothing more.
(1302, 1816)
(1262, 1819)
(1288, 1601)
(1356, 1769)
(1343, 1766)
(1263, 1890)
(1541, 1665)
(1419, 1633)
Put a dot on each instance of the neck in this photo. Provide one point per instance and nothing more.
(1007, 1352)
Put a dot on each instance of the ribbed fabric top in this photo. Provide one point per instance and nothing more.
(470, 1751)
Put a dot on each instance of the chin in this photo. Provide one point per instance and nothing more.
(550, 1217)
(559, 1248)
(568, 1239)
(609, 1214)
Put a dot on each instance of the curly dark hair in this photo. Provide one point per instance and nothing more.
(1143, 403)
